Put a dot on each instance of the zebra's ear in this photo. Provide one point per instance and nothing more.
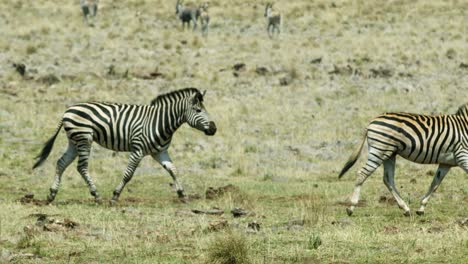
(203, 94)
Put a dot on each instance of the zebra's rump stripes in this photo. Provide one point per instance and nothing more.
(419, 138)
(425, 139)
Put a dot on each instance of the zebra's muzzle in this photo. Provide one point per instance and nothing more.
(211, 130)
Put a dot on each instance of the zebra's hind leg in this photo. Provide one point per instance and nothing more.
(134, 160)
(389, 181)
(84, 149)
(165, 161)
(442, 170)
(374, 160)
(62, 163)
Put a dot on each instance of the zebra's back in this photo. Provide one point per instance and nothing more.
(420, 138)
(113, 126)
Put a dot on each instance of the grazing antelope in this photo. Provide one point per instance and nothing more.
(139, 129)
(425, 139)
(187, 14)
(204, 18)
(90, 8)
(274, 20)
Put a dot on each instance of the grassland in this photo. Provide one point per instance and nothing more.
(342, 63)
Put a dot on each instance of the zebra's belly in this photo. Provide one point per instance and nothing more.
(447, 158)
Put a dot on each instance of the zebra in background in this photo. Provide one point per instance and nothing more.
(204, 18)
(139, 129)
(425, 139)
(89, 8)
(187, 14)
(274, 20)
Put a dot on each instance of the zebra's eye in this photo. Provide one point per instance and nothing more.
(198, 110)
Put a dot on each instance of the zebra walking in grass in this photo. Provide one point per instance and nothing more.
(187, 14)
(274, 20)
(204, 18)
(425, 139)
(89, 8)
(139, 129)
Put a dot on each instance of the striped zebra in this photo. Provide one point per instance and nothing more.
(89, 8)
(187, 14)
(425, 139)
(274, 20)
(204, 18)
(139, 129)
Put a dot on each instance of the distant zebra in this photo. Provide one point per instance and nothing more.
(274, 20)
(139, 129)
(425, 139)
(205, 18)
(187, 14)
(89, 8)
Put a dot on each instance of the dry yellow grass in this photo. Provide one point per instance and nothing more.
(282, 145)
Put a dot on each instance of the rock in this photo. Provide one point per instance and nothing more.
(261, 70)
(212, 193)
(316, 60)
(254, 226)
(20, 68)
(238, 212)
(239, 66)
(214, 211)
(342, 222)
(218, 225)
(286, 80)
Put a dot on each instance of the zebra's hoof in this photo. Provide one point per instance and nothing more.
(420, 212)
(349, 212)
(181, 194)
(112, 202)
(98, 200)
(407, 213)
(50, 199)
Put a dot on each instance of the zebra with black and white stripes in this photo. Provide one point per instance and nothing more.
(89, 8)
(139, 129)
(425, 139)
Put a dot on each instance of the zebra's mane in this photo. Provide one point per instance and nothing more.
(462, 110)
(183, 92)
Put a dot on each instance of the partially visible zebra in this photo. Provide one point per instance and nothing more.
(425, 139)
(89, 8)
(204, 18)
(274, 20)
(139, 129)
(187, 14)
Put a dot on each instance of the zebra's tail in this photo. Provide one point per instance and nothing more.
(47, 148)
(353, 158)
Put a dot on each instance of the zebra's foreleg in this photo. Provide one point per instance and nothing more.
(165, 161)
(84, 149)
(134, 160)
(62, 163)
(442, 170)
(389, 181)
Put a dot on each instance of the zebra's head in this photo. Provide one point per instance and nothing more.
(197, 116)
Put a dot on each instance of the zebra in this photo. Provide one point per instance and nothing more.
(274, 20)
(204, 18)
(89, 8)
(187, 14)
(424, 139)
(139, 129)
